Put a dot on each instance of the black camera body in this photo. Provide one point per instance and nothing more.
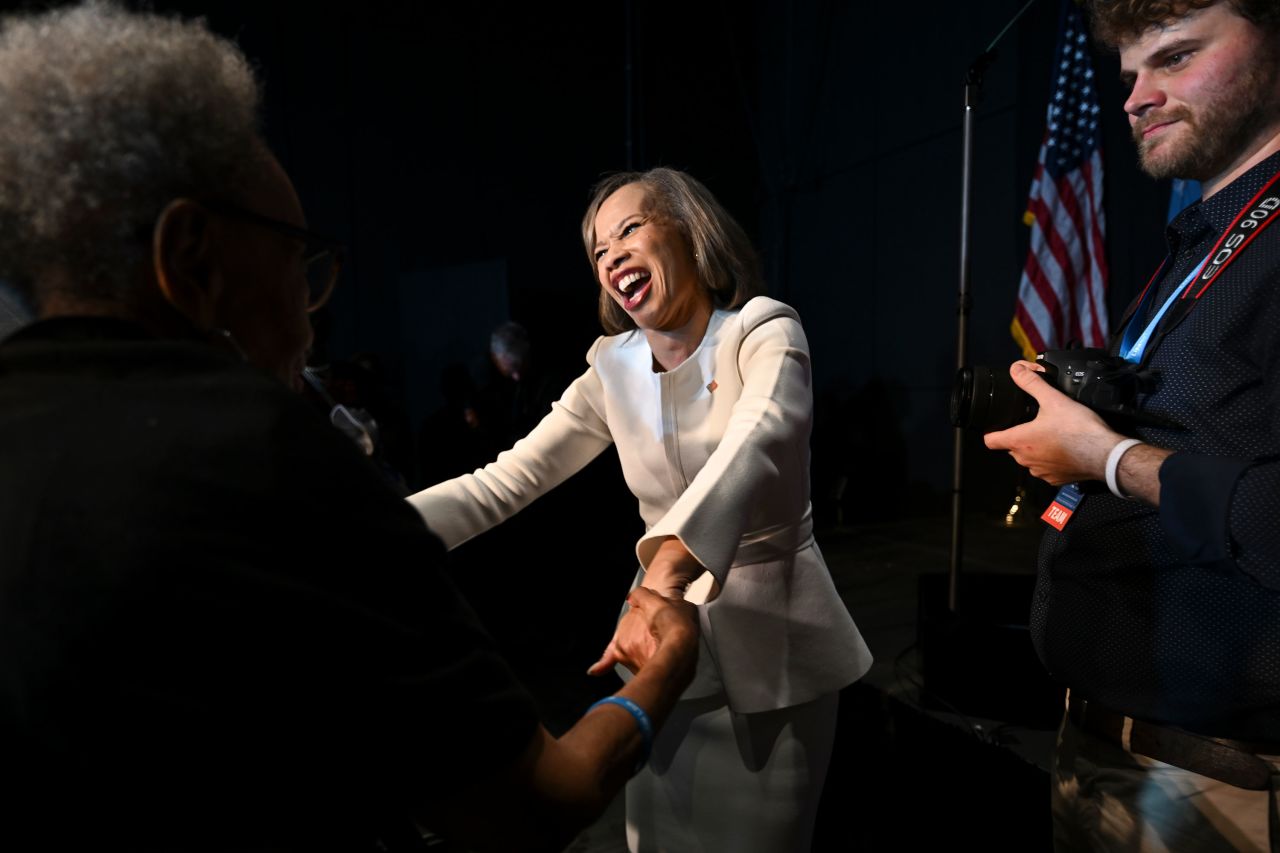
(988, 400)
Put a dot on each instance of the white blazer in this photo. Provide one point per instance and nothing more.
(717, 453)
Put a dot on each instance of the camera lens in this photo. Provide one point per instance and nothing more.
(988, 400)
(961, 408)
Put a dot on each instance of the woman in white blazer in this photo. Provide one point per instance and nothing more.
(704, 388)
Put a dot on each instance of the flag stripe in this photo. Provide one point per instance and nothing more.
(1040, 302)
(1095, 295)
(1054, 259)
(1069, 234)
(1062, 292)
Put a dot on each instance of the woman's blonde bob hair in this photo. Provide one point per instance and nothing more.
(728, 268)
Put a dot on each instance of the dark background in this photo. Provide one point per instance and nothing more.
(453, 145)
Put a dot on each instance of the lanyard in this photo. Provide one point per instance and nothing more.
(1134, 345)
(1244, 229)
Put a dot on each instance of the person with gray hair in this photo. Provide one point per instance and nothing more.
(219, 629)
(520, 389)
(509, 349)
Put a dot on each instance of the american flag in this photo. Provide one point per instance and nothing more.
(1062, 297)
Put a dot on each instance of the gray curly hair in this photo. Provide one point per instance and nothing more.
(107, 116)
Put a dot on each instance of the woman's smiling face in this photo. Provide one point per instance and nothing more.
(645, 263)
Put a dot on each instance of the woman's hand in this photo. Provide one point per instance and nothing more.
(672, 569)
(652, 626)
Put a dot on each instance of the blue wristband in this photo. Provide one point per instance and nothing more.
(642, 722)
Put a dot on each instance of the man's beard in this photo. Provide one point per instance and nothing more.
(1218, 133)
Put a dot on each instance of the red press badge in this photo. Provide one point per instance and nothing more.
(1064, 504)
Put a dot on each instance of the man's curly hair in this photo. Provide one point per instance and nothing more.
(1118, 21)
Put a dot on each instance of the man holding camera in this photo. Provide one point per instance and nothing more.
(1158, 598)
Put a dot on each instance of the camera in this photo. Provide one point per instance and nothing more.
(988, 400)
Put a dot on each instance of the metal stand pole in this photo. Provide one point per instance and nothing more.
(964, 302)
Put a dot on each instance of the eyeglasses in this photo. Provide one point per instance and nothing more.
(322, 257)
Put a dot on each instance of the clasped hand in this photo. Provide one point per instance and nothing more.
(652, 624)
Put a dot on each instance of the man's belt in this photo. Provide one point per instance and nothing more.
(1231, 761)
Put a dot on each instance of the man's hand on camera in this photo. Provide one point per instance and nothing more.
(1066, 442)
